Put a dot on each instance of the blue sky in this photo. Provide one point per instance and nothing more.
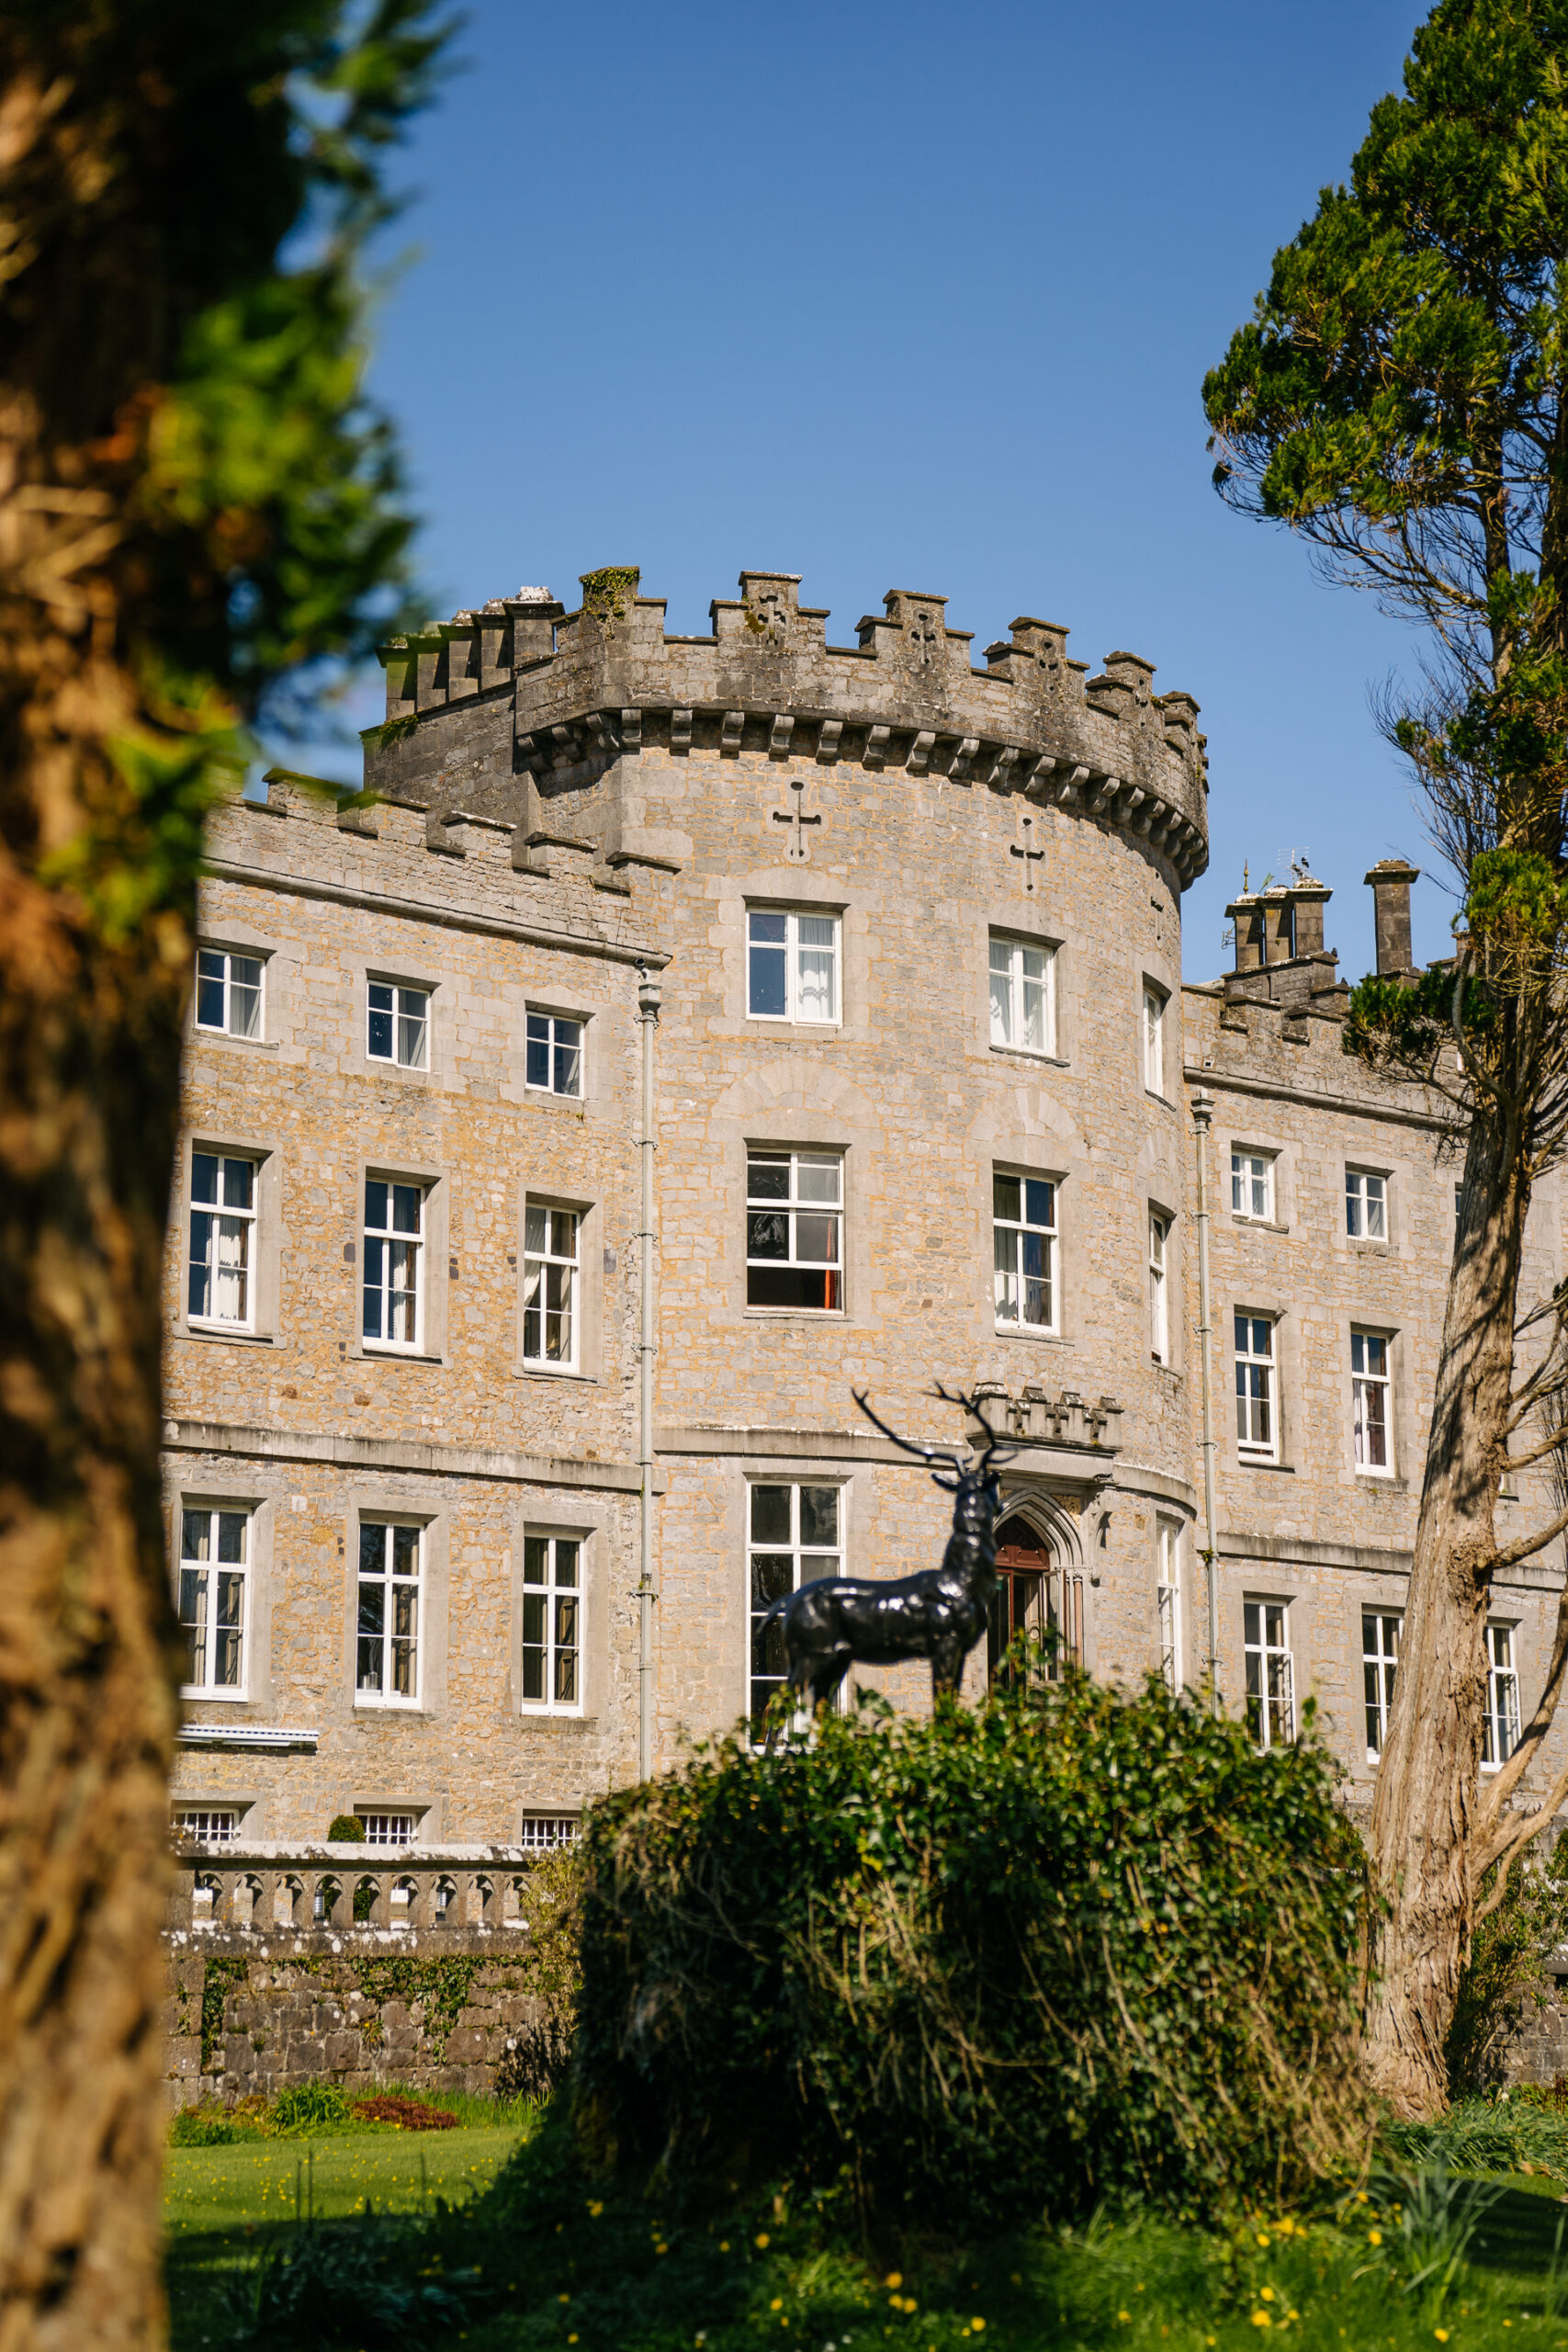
(908, 295)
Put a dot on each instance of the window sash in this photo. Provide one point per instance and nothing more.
(552, 1624)
(387, 1660)
(213, 1594)
(397, 1025)
(1370, 1416)
(1023, 996)
(229, 992)
(220, 1285)
(1256, 1430)
(210, 1824)
(1024, 1236)
(554, 1055)
(794, 1230)
(389, 1828)
(1366, 1205)
(1159, 1297)
(1252, 1186)
(791, 965)
(1270, 1696)
(1500, 1725)
(1167, 1601)
(394, 1246)
(795, 1534)
(551, 1267)
(1381, 1631)
(1154, 1040)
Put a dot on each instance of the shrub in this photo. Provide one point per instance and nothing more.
(550, 1969)
(1507, 1967)
(408, 2114)
(346, 1830)
(1069, 1945)
(306, 2107)
(349, 2285)
(215, 2127)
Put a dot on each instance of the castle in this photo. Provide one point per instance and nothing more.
(688, 1029)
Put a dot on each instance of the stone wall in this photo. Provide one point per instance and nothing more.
(360, 2008)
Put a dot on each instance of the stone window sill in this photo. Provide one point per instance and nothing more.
(208, 1331)
(1258, 1224)
(1255, 1462)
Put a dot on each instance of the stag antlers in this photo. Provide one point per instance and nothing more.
(996, 1446)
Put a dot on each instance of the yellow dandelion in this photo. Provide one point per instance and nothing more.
(777, 2303)
(894, 2278)
(1262, 2319)
(1124, 2315)
(977, 2325)
(1292, 2314)
(761, 2237)
(1374, 2238)
(595, 2207)
(724, 2245)
(1268, 2294)
(1441, 2334)
(566, 2298)
(1263, 2238)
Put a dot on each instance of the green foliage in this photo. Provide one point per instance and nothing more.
(307, 2106)
(349, 2284)
(1508, 1953)
(550, 1972)
(219, 1980)
(608, 593)
(442, 1986)
(346, 1830)
(1072, 1944)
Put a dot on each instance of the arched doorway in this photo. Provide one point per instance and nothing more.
(1021, 1602)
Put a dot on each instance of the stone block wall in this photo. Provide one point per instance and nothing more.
(359, 2009)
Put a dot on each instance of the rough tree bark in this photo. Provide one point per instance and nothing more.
(89, 1071)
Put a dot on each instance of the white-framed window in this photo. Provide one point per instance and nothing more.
(1023, 1238)
(394, 1252)
(552, 1242)
(795, 1534)
(1381, 1629)
(214, 1579)
(208, 1824)
(387, 1656)
(795, 1229)
(1366, 1205)
(552, 1624)
(1257, 1424)
(1167, 1599)
(1154, 1002)
(792, 965)
(1500, 1725)
(398, 1024)
(545, 1833)
(555, 1055)
(1271, 1682)
(221, 1275)
(1159, 1287)
(229, 992)
(389, 1828)
(1369, 1411)
(1252, 1184)
(1024, 995)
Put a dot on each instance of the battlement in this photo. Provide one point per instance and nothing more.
(604, 683)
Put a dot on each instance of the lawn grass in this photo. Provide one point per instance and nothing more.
(584, 2266)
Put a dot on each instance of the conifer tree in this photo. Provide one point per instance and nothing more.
(1398, 399)
(197, 508)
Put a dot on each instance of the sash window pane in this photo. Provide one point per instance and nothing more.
(794, 1230)
(222, 1238)
(794, 1536)
(1024, 1249)
(213, 1579)
(387, 1663)
(552, 1623)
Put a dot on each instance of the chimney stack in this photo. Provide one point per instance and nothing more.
(1391, 881)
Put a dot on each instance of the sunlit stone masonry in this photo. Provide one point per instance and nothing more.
(899, 938)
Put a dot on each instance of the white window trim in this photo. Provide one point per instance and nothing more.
(239, 1692)
(1270, 1164)
(1016, 1328)
(213, 1029)
(1167, 1599)
(1156, 1004)
(1160, 1228)
(1015, 942)
(379, 1344)
(835, 1555)
(570, 1364)
(396, 1701)
(1375, 1176)
(792, 1017)
(550, 1592)
(1263, 1649)
(793, 1208)
(1500, 1674)
(401, 988)
(553, 1015)
(1369, 1381)
(1248, 1449)
(369, 1813)
(215, 1210)
(1378, 1659)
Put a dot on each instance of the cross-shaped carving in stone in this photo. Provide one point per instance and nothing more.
(922, 637)
(794, 817)
(1030, 851)
(771, 615)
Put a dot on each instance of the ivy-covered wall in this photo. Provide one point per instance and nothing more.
(439, 2012)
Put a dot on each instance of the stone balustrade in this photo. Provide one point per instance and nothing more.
(270, 1890)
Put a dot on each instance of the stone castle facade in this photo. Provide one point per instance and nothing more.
(901, 938)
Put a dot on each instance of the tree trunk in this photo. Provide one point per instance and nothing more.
(1427, 1778)
(89, 1068)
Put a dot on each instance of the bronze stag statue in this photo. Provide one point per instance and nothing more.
(939, 1614)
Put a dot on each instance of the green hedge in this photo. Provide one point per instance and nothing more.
(1071, 1944)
